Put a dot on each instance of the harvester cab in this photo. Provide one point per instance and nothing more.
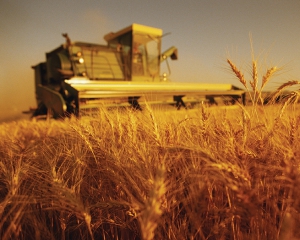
(79, 77)
(140, 48)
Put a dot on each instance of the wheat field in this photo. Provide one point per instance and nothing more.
(207, 173)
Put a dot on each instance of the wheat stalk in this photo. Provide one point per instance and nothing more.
(292, 131)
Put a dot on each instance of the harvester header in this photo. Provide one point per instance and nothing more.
(78, 77)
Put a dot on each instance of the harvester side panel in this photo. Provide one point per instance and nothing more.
(96, 62)
(40, 77)
(53, 100)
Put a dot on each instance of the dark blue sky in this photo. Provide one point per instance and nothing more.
(206, 32)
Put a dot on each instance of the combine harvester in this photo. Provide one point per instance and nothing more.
(78, 77)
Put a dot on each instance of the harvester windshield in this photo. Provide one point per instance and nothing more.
(145, 55)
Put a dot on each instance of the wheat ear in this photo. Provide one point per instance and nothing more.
(153, 206)
(254, 76)
(291, 98)
(282, 87)
(237, 72)
(268, 75)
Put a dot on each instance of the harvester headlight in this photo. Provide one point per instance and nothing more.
(164, 77)
(81, 60)
(77, 57)
(78, 60)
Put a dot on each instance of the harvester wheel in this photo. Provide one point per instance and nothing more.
(179, 102)
(133, 101)
(41, 110)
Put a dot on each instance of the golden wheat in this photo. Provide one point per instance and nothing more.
(254, 81)
(99, 180)
(238, 73)
(267, 76)
(276, 94)
(207, 173)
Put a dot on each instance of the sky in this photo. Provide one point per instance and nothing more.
(206, 33)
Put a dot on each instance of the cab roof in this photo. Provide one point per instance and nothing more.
(134, 28)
